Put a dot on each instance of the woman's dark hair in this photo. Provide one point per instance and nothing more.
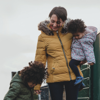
(60, 12)
(75, 26)
(35, 72)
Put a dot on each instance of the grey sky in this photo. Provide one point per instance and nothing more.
(19, 32)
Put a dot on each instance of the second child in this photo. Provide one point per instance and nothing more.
(82, 46)
(23, 82)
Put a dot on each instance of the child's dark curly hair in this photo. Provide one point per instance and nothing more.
(75, 26)
(35, 72)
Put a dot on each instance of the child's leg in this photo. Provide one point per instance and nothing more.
(73, 64)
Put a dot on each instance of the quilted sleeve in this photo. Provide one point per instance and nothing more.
(13, 92)
(87, 46)
(41, 50)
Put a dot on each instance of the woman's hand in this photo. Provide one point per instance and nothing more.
(83, 62)
(37, 91)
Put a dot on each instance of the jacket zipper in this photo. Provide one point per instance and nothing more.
(64, 55)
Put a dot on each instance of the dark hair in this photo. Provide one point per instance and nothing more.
(75, 26)
(60, 12)
(35, 72)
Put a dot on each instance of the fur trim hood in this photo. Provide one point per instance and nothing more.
(43, 26)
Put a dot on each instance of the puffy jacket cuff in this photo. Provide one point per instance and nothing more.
(37, 87)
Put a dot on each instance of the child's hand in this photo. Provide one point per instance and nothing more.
(82, 62)
(91, 63)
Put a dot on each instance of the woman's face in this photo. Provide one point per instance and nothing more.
(55, 24)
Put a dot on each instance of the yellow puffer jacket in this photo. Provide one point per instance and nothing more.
(55, 49)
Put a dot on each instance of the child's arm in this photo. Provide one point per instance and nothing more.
(13, 92)
(87, 46)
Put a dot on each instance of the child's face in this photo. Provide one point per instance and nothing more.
(31, 85)
(78, 35)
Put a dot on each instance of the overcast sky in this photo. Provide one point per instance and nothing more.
(19, 32)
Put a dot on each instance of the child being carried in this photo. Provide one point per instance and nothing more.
(82, 46)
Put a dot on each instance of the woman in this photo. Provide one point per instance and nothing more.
(54, 47)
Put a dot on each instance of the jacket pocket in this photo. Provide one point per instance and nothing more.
(56, 69)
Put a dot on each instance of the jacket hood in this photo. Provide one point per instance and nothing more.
(43, 26)
(16, 78)
(91, 32)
